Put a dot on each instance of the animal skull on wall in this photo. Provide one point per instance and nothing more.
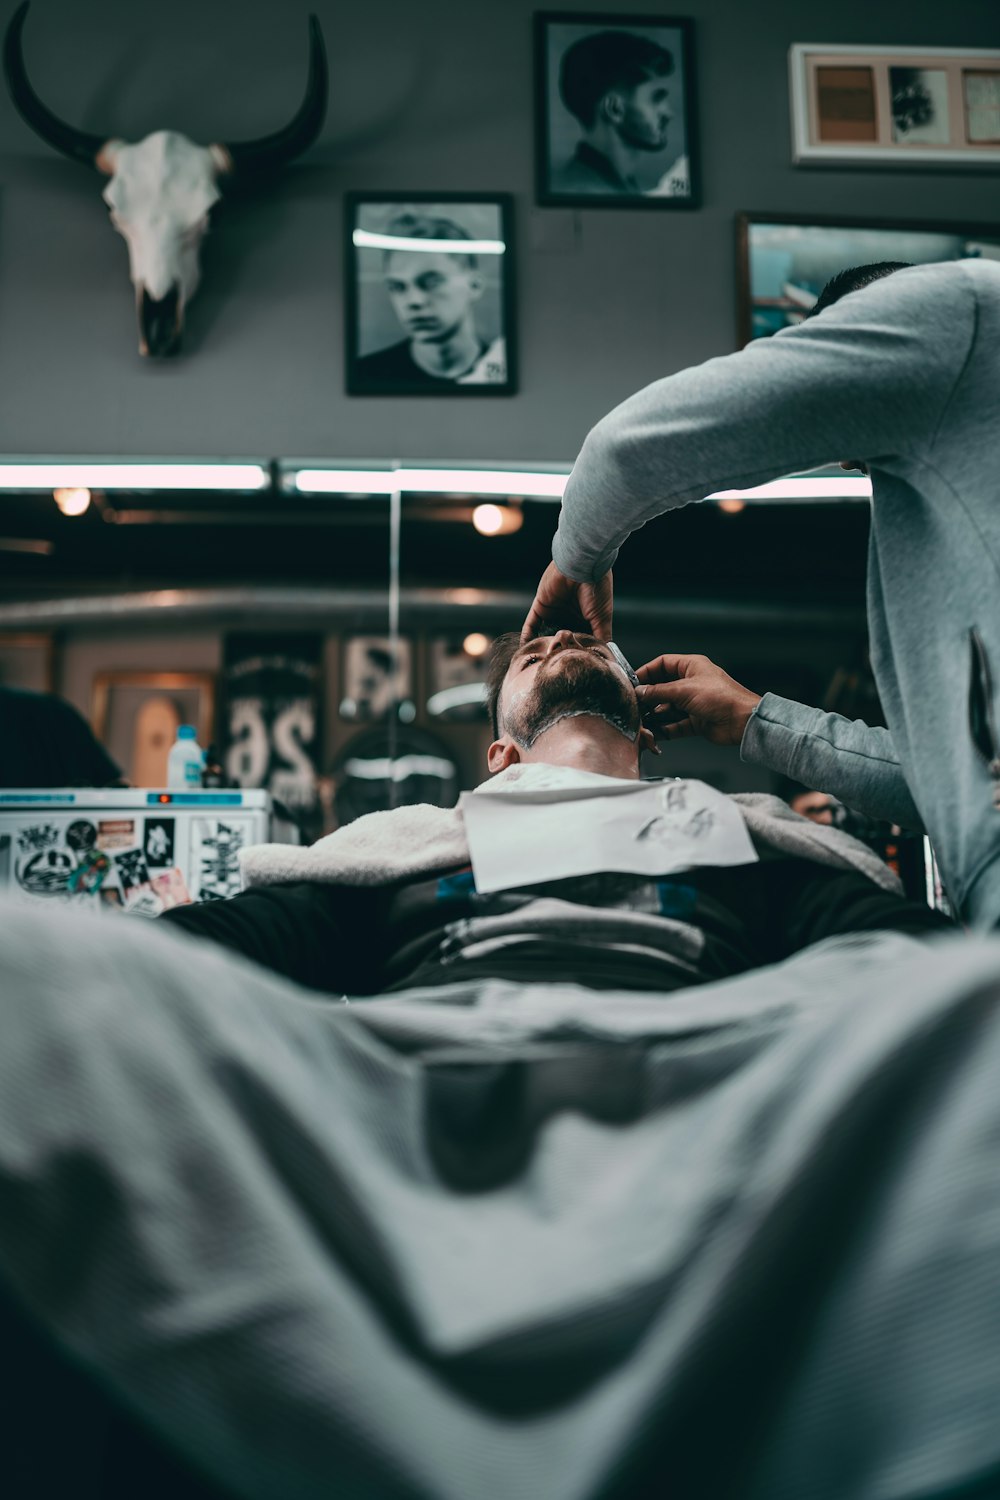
(160, 190)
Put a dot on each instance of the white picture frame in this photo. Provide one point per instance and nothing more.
(894, 106)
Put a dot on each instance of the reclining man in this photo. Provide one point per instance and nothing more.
(653, 923)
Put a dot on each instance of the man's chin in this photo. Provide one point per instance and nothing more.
(578, 686)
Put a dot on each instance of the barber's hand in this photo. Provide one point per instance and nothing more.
(562, 600)
(698, 695)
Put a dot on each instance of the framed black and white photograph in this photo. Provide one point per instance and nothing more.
(430, 295)
(615, 111)
(894, 106)
(377, 678)
(784, 262)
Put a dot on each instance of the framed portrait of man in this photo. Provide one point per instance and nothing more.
(615, 111)
(430, 295)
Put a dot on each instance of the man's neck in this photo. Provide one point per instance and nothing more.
(586, 743)
(450, 357)
(623, 158)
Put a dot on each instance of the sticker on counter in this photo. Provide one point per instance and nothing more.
(215, 847)
(110, 895)
(81, 836)
(158, 841)
(90, 872)
(42, 869)
(142, 901)
(116, 833)
(132, 871)
(171, 888)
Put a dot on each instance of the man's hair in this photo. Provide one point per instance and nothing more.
(501, 656)
(412, 226)
(853, 280)
(607, 60)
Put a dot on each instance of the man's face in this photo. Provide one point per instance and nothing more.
(816, 806)
(431, 293)
(645, 114)
(560, 675)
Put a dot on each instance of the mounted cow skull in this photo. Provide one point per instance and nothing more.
(161, 189)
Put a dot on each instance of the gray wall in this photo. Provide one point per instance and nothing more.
(435, 96)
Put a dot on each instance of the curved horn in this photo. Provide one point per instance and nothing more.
(79, 144)
(270, 152)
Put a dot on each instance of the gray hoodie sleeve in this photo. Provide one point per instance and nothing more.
(869, 378)
(848, 759)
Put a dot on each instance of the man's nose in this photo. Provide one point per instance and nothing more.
(564, 638)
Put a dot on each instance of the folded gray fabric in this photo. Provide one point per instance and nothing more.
(490, 1241)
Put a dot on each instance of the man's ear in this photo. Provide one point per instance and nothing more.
(501, 754)
(612, 107)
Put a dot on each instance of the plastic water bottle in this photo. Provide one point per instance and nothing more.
(186, 759)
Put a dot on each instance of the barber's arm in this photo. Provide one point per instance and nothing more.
(848, 758)
(310, 933)
(869, 378)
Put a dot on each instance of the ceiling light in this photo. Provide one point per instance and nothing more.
(132, 476)
(72, 502)
(503, 482)
(806, 488)
(497, 520)
(476, 644)
(731, 505)
(488, 520)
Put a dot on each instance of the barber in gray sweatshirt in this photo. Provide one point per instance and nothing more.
(905, 375)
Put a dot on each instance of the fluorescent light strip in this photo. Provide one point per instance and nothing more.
(859, 488)
(541, 486)
(430, 482)
(365, 240)
(127, 476)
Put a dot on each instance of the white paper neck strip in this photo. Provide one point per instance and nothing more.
(551, 823)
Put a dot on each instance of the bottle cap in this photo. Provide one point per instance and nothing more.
(186, 732)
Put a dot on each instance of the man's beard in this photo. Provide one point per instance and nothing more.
(638, 135)
(575, 686)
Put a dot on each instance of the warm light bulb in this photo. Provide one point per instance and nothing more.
(72, 502)
(497, 520)
(476, 644)
(488, 520)
(731, 506)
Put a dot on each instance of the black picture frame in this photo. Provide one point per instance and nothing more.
(571, 171)
(804, 251)
(484, 294)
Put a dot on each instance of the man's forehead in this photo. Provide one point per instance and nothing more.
(413, 262)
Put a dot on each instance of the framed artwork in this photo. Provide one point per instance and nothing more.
(26, 661)
(430, 294)
(269, 728)
(894, 106)
(136, 714)
(376, 677)
(783, 263)
(614, 111)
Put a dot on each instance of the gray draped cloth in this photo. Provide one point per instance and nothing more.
(502, 1242)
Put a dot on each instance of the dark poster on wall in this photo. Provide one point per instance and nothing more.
(271, 716)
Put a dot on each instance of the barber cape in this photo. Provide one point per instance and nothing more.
(382, 848)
